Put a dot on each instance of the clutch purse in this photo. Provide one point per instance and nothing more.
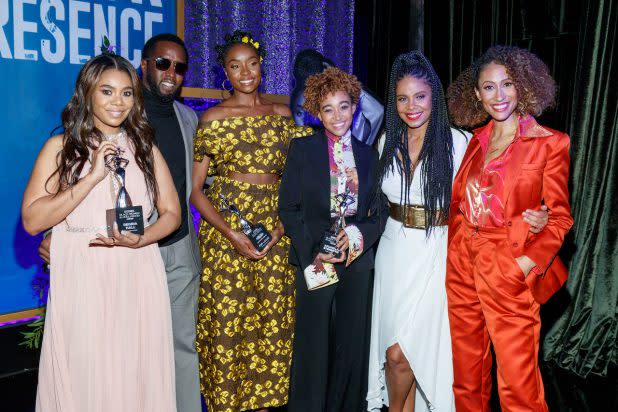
(320, 274)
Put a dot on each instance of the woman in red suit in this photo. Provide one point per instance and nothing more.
(498, 272)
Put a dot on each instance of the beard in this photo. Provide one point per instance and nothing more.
(154, 88)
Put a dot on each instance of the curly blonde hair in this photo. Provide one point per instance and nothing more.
(331, 80)
(536, 89)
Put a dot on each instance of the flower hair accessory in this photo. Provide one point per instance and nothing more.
(250, 41)
(107, 48)
(255, 44)
(239, 37)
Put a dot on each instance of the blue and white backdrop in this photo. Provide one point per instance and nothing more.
(43, 44)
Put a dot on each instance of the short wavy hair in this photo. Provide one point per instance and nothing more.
(536, 89)
(331, 80)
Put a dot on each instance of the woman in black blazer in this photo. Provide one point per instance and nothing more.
(329, 361)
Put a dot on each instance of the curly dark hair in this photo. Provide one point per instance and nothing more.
(238, 37)
(536, 89)
(80, 133)
(331, 80)
(437, 151)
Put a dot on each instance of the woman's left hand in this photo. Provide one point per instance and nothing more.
(342, 244)
(342, 240)
(537, 219)
(525, 264)
(124, 238)
(277, 233)
(329, 258)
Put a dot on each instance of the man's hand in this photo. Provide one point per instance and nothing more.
(44, 248)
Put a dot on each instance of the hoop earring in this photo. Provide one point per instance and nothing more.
(225, 88)
(476, 105)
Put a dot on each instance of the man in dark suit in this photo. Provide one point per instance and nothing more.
(164, 64)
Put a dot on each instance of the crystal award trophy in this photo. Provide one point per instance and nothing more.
(329, 241)
(257, 233)
(128, 217)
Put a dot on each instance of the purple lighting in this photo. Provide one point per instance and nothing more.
(283, 27)
(19, 321)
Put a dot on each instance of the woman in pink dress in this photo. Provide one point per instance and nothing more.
(108, 342)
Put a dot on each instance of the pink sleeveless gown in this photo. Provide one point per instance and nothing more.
(107, 344)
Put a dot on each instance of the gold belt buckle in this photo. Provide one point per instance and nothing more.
(413, 216)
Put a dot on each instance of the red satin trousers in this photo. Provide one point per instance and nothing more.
(489, 303)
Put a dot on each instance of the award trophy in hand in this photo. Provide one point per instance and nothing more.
(257, 233)
(329, 242)
(128, 217)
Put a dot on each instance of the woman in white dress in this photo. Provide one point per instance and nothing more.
(410, 362)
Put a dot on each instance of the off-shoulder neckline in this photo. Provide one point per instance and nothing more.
(247, 117)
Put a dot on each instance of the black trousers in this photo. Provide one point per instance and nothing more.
(331, 344)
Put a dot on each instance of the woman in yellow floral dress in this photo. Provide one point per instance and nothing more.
(246, 303)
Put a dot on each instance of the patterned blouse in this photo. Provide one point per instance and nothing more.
(248, 144)
(343, 174)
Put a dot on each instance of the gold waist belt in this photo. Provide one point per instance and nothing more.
(413, 216)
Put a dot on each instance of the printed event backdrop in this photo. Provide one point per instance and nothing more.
(43, 44)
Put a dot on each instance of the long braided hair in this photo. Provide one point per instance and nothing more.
(436, 153)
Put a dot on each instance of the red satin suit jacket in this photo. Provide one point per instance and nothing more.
(538, 170)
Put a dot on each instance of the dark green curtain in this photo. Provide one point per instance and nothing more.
(584, 339)
(383, 29)
(578, 41)
(459, 31)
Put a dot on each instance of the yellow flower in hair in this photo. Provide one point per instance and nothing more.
(245, 39)
(256, 45)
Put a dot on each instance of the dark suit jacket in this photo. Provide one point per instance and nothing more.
(304, 199)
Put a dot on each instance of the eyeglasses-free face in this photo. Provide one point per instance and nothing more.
(163, 64)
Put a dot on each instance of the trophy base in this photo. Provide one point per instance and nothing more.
(329, 244)
(259, 236)
(130, 219)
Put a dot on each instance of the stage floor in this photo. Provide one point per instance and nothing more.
(564, 391)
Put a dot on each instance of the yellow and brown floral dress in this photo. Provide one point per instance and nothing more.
(246, 308)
